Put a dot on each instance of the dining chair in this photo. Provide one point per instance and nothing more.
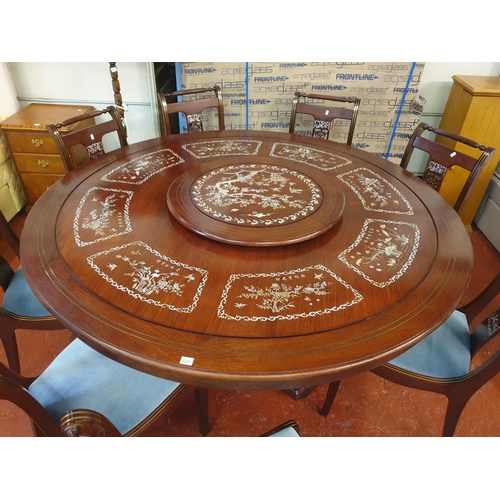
(191, 109)
(287, 429)
(324, 114)
(441, 362)
(446, 155)
(19, 309)
(90, 137)
(85, 393)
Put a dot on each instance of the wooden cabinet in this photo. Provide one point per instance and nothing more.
(33, 149)
(473, 111)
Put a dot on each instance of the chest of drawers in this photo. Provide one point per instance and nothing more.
(34, 151)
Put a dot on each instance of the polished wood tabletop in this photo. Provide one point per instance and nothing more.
(246, 259)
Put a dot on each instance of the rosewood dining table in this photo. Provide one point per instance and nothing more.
(246, 260)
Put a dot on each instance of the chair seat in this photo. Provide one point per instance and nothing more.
(80, 377)
(286, 432)
(445, 353)
(19, 299)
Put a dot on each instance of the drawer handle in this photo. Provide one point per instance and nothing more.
(37, 142)
(43, 163)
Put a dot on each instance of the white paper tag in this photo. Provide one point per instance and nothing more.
(186, 361)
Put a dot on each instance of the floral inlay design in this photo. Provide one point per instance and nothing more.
(102, 214)
(140, 169)
(95, 150)
(142, 272)
(321, 129)
(493, 323)
(288, 295)
(194, 122)
(434, 174)
(256, 195)
(210, 149)
(383, 251)
(375, 192)
(309, 156)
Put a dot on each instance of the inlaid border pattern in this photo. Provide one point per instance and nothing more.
(316, 269)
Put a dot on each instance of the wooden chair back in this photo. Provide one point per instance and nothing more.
(444, 157)
(192, 109)
(487, 300)
(9, 235)
(89, 137)
(6, 275)
(10, 322)
(324, 114)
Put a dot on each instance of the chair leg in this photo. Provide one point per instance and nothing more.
(201, 398)
(10, 345)
(453, 412)
(330, 396)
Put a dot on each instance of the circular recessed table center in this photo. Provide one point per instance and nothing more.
(270, 204)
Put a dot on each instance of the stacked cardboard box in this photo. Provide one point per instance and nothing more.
(258, 96)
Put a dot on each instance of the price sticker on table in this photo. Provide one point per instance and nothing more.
(185, 360)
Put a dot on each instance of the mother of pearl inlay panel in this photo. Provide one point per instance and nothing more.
(309, 156)
(289, 295)
(383, 251)
(211, 149)
(375, 192)
(145, 274)
(256, 195)
(140, 169)
(102, 213)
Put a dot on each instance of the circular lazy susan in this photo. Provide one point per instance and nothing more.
(255, 203)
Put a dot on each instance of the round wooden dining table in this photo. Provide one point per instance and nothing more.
(246, 260)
